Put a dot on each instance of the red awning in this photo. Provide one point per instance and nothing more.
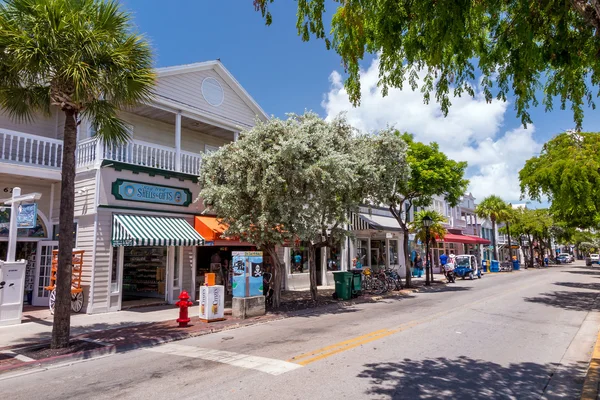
(456, 238)
(479, 240)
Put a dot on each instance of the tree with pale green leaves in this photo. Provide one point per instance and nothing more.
(437, 231)
(289, 180)
(409, 174)
(82, 57)
(519, 47)
(567, 173)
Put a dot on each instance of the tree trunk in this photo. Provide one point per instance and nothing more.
(61, 329)
(312, 267)
(531, 251)
(509, 243)
(406, 256)
(494, 239)
(278, 274)
(525, 261)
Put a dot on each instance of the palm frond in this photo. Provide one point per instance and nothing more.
(106, 124)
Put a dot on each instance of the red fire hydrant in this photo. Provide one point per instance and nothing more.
(183, 304)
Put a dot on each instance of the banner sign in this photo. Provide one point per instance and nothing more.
(247, 273)
(149, 193)
(27, 216)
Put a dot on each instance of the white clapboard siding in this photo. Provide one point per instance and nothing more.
(85, 194)
(102, 261)
(41, 125)
(186, 88)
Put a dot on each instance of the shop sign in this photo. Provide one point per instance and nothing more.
(27, 216)
(149, 193)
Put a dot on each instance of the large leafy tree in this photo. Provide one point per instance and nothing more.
(251, 186)
(430, 172)
(518, 46)
(287, 180)
(495, 209)
(332, 176)
(436, 232)
(82, 57)
(567, 172)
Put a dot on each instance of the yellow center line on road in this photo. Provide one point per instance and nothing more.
(316, 355)
(328, 351)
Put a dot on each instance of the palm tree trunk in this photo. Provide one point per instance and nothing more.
(494, 239)
(312, 267)
(61, 329)
(278, 273)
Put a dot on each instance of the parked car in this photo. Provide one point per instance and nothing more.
(592, 259)
(568, 256)
(563, 259)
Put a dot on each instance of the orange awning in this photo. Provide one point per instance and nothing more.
(212, 231)
(209, 228)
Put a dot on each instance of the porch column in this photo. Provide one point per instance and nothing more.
(387, 252)
(236, 136)
(178, 141)
(401, 258)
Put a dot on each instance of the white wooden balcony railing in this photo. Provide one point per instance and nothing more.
(25, 149)
(137, 152)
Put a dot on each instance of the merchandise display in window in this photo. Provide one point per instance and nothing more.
(144, 272)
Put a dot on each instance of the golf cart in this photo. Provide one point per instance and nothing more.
(466, 266)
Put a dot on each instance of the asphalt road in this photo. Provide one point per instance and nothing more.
(520, 335)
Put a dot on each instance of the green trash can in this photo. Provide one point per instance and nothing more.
(343, 285)
(356, 282)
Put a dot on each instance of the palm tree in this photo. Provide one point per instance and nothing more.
(436, 230)
(494, 208)
(82, 57)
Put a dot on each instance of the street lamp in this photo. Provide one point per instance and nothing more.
(427, 224)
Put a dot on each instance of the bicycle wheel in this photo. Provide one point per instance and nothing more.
(379, 286)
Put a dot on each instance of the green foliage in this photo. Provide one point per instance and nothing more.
(494, 208)
(567, 173)
(437, 230)
(431, 172)
(78, 55)
(282, 180)
(518, 45)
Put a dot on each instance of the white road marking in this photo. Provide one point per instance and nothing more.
(19, 357)
(268, 365)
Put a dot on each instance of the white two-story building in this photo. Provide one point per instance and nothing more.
(135, 208)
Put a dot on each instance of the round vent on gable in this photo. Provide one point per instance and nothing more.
(212, 92)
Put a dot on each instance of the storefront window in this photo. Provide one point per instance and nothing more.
(362, 248)
(393, 252)
(114, 274)
(334, 259)
(299, 258)
(176, 268)
(144, 272)
(378, 253)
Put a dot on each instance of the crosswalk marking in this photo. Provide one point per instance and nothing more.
(267, 365)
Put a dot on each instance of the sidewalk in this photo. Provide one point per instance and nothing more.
(101, 334)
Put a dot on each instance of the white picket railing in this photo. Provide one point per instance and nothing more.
(137, 152)
(23, 148)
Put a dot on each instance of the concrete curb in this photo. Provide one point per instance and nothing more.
(591, 384)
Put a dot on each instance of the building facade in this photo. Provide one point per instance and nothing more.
(135, 204)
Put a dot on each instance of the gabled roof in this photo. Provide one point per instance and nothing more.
(223, 72)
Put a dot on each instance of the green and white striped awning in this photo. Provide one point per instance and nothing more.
(144, 230)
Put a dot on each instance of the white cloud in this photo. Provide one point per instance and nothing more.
(470, 132)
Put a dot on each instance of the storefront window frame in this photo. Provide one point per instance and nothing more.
(116, 275)
(305, 260)
(367, 255)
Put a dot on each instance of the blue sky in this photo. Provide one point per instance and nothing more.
(285, 74)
